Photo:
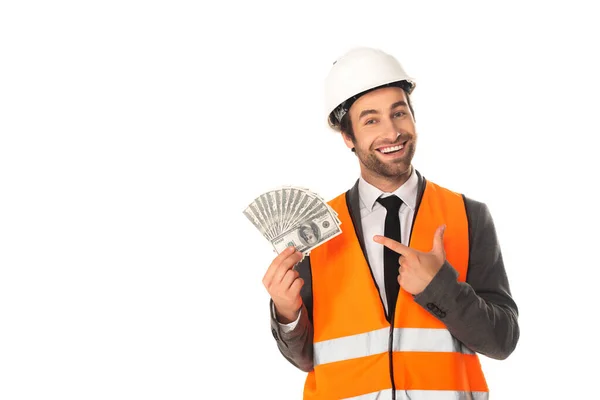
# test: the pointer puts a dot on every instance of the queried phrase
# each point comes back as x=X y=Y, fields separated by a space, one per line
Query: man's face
x=377 y=118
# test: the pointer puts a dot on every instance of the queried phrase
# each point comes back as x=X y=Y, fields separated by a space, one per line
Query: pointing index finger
x=392 y=244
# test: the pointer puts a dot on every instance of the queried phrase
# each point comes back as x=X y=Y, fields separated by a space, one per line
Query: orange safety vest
x=357 y=353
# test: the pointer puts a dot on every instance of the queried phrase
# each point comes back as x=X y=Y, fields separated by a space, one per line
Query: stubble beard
x=391 y=169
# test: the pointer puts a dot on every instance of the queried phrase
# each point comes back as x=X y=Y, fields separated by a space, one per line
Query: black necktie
x=390 y=257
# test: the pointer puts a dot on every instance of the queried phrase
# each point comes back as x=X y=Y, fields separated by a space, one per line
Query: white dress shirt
x=372 y=216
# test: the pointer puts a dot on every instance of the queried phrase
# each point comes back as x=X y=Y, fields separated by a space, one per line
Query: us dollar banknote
x=293 y=216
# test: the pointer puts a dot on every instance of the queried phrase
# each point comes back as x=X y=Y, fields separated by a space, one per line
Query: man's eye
x=370 y=121
x=399 y=114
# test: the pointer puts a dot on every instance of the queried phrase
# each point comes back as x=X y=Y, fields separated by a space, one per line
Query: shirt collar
x=407 y=192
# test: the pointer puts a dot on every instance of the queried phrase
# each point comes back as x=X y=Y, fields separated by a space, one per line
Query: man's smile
x=393 y=149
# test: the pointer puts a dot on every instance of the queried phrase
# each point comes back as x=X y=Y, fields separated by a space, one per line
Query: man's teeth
x=391 y=149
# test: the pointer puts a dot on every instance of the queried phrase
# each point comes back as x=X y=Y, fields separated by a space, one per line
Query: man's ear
x=348 y=141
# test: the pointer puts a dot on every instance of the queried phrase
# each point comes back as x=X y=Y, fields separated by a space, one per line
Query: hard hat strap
x=340 y=111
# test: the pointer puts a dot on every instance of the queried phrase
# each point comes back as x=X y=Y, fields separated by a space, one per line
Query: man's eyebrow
x=398 y=104
x=365 y=112
x=371 y=111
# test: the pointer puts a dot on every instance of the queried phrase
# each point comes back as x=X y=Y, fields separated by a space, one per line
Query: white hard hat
x=357 y=71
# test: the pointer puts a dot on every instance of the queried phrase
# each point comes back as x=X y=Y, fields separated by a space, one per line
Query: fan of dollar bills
x=292 y=216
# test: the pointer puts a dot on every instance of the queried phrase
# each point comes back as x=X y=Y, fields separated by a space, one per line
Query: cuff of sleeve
x=436 y=295
x=285 y=328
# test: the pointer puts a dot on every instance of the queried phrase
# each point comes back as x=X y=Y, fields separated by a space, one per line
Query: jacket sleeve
x=479 y=312
x=297 y=345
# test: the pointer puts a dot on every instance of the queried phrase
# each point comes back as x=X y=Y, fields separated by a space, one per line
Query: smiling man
x=403 y=302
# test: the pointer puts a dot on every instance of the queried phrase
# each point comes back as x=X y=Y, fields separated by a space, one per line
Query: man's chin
x=389 y=168
x=393 y=171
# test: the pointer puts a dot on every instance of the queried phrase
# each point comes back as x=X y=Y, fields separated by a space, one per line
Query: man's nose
x=389 y=130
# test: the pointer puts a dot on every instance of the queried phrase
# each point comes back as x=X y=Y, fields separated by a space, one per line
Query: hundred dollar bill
x=249 y=213
x=299 y=198
x=309 y=234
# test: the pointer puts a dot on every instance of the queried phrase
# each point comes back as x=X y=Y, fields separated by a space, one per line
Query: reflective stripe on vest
x=422 y=395
x=375 y=342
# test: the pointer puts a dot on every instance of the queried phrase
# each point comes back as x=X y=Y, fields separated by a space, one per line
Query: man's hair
x=346 y=122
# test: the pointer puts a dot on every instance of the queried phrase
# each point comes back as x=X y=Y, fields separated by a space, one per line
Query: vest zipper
x=391 y=354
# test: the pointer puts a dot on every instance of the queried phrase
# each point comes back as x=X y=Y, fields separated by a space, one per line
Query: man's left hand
x=416 y=268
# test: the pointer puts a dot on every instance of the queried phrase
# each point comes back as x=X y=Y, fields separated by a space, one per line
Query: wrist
x=286 y=317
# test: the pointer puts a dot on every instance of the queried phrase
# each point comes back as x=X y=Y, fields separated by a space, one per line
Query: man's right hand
x=284 y=283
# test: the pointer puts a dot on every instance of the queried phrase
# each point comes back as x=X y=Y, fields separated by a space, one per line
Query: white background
x=133 y=134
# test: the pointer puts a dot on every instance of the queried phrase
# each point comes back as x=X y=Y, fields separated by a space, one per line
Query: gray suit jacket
x=479 y=312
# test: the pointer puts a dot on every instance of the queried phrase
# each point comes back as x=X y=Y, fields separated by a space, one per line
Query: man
x=401 y=303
